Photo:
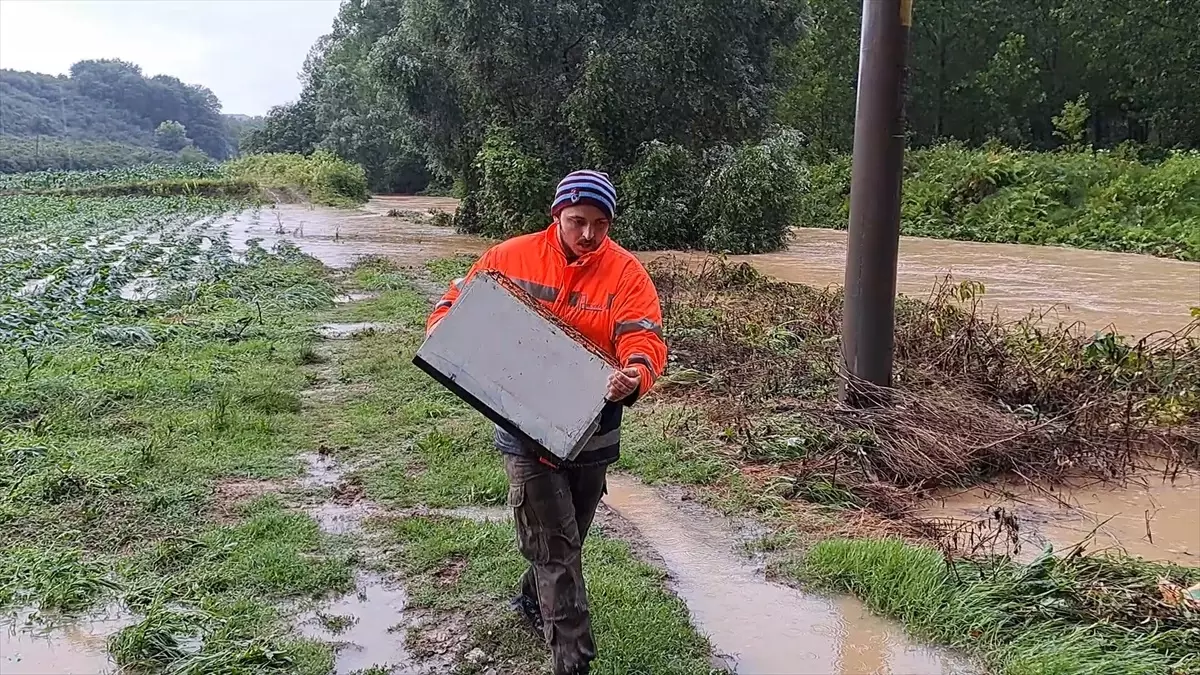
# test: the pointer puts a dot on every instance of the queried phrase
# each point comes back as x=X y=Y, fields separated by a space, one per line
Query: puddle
x=367 y=628
x=71 y=647
x=375 y=634
x=1151 y=516
x=347 y=298
x=346 y=331
x=335 y=518
x=769 y=628
x=323 y=471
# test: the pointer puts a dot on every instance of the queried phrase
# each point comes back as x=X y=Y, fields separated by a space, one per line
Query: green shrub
x=324 y=177
x=752 y=197
x=658 y=197
x=1085 y=199
x=515 y=192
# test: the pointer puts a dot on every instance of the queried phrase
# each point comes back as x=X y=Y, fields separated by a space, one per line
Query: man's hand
x=622 y=383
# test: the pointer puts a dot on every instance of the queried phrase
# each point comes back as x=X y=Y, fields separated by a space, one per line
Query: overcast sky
x=247 y=51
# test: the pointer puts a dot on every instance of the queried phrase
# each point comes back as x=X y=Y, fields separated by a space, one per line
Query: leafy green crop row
x=321 y=177
x=65 y=264
x=1096 y=200
x=46 y=180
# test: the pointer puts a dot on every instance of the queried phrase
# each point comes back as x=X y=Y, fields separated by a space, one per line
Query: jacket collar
x=555 y=244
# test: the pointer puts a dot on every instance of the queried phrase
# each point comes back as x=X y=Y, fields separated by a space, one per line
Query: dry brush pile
x=974 y=396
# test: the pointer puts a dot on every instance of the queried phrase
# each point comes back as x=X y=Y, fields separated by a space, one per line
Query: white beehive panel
x=519 y=366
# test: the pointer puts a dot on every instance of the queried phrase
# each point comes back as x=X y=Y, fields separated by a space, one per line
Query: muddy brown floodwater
x=1154 y=516
x=1138 y=294
x=32 y=646
x=767 y=627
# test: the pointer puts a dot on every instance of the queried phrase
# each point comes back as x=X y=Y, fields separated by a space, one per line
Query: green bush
x=658 y=197
x=751 y=199
x=1085 y=199
x=515 y=191
x=324 y=177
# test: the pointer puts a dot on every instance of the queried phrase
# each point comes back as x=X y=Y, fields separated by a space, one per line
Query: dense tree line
x=501 y=96
x=1004 y=70
x=112 y=101
x=592 y=81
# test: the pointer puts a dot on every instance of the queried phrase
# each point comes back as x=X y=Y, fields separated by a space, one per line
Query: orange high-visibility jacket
x=606 y=295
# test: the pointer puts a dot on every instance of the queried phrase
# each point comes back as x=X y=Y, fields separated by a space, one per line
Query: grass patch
x=1092 y=614
x=639 y=627
x=375 y=273
x=446 y=270
x=443 y=470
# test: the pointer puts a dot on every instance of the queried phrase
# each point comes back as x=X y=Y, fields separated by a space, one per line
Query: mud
x=76 y=646
x=768 y=628
x=1152 y=517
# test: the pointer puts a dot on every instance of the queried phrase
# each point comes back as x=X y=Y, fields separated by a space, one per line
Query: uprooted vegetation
x=974 y=397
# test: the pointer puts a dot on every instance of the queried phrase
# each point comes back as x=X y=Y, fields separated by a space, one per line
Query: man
x=600 y=289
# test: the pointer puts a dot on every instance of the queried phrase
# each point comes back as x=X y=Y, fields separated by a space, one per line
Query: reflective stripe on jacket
x=606 y=295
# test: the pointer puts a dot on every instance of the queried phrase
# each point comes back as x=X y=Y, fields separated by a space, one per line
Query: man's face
x=583 y=228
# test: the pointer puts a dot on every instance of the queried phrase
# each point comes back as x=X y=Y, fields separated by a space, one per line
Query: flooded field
x=767 y=628
x=1138 y=294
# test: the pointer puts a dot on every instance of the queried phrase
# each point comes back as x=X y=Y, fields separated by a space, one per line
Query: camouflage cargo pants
x=553 y=509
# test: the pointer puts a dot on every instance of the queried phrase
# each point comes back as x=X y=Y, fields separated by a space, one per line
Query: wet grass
x=110 y=462
x=461 y=565
x=445 y=270
x=1078 y=615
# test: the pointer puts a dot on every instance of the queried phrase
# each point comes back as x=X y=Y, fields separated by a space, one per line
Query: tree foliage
x=171 y=136
x=112 y=101
x=18 y=155
x=1004 y=70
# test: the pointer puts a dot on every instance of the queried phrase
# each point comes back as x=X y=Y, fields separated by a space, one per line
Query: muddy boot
x=527 y=608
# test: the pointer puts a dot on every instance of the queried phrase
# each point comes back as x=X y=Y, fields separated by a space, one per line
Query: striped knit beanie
x=589 y=187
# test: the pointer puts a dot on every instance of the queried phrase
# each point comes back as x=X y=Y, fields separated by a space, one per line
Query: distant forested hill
x=109 y=105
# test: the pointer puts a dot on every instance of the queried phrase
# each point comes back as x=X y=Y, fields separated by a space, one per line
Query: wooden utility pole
x=869 y=317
